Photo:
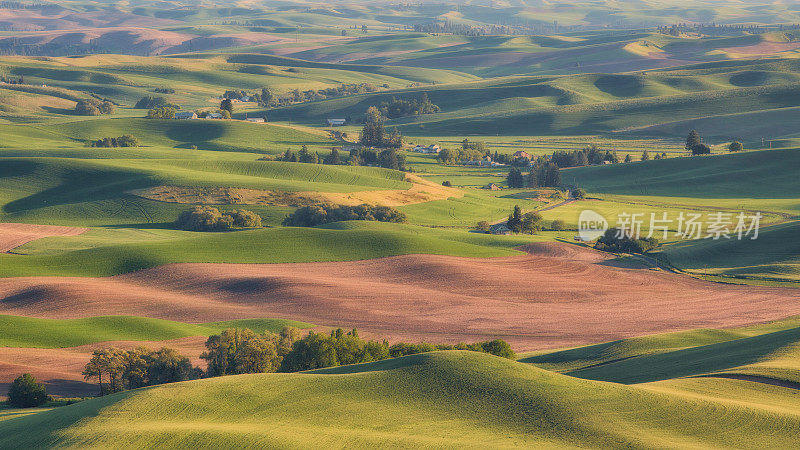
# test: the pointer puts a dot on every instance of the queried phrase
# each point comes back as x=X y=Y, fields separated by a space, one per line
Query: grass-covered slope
x=747 y=175
x=338 y=242
x=79 y=190
x=453 y=399
x=17 y=331
x=768 y=350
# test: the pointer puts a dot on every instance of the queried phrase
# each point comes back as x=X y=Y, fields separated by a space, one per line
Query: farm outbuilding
x=185 y=115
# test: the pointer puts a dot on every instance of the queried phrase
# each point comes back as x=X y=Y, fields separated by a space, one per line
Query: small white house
x=185 y=115
x=214 y=116
x=336 y=122
x=431 y=149
x=255 y=119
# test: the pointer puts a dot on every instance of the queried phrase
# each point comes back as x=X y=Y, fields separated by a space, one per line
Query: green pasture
x=17 y=331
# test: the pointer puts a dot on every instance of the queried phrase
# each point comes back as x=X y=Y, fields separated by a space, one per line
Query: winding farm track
x=12 y=235
x=556 y=295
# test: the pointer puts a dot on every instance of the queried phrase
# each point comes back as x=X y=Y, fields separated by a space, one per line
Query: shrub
x=579 y=194
x=483 y=226
x=735 y=146
x=94 y=107
x=558 y=225
x=26 y=392
x=447 y=184
x=243 y=218
x=207 y=218
x=309 y=216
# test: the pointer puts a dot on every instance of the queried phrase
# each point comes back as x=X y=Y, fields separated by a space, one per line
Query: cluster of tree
x=151 y=102
x=511 y=26
x=694 y=143
x=646 y=156
x=715 y=29
x=12 y=80
x=544 y=173
x=267 y=98
x=125 y=140
x=590 y=155
x=236 y=351
x=310 y=216
x=317 y=351
x=161 y=112
x=305 y=156
x=389 y=158
x=207 y=218
x=94 y=107
x=26 y=392
x=613 y=240
x=527 y=223
x=164 y=90
x=402 y=108
x=469 y=151
x=239 y=351
x=374 y=133
x=116 y=370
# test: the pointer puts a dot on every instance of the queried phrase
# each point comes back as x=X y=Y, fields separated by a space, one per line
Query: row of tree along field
x=239 y=351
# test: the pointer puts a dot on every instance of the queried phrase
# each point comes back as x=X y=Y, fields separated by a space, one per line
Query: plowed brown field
x=556 y=295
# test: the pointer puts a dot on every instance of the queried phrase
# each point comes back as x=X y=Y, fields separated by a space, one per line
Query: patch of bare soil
x=421 y=191
x=12 y=235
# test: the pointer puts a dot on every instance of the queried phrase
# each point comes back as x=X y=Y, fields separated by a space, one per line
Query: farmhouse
x=499 y=228
x=433 y=148
x=523 y=155
x=185 y=115
x=336 y=122
x=492 y=187
x=255 y=119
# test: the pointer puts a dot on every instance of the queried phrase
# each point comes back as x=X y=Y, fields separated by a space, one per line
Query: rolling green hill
x=336 y=242
x=768 y=350
x=446 y=398
x=17 y=331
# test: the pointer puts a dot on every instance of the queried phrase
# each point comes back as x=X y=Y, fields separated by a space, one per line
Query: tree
x=701 y=149
x=483 y=226
x=447 y=183
x=735 y=146
x=628 y=158
x=515 y=178
x=227 y=105
x=106 y=364
x=333 y=157
x=692 y=140
x=531 y=222
x=579 y=194
x=162 y=112
x=391 y=159
x=26 y=392
x=558 y=225
x=645 y=156
x=515 y=220
x=266 y=99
